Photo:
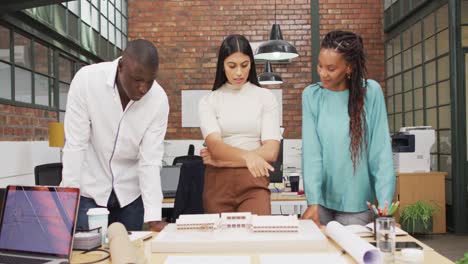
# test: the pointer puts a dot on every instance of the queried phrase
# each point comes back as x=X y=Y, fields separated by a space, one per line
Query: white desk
x=280 y=203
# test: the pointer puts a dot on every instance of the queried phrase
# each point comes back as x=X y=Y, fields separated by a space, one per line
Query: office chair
x=48 y=174
x=190 y=156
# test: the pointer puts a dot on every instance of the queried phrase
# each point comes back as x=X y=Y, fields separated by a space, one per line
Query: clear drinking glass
x=385 y=236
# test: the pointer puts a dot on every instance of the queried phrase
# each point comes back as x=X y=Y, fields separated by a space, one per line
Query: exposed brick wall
x=24 y=124
x=188 y=34
x=364 y=17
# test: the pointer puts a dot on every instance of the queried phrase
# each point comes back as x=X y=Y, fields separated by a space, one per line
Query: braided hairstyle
x=350 y=45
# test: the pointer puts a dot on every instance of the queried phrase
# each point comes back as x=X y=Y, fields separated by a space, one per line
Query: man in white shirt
x=115 y=123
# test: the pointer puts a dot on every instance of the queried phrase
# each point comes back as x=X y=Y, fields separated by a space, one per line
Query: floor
x=449 y=245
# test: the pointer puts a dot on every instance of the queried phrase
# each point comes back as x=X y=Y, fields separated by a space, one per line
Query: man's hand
x=312 y=213
x=156 y=226
x=257 y=166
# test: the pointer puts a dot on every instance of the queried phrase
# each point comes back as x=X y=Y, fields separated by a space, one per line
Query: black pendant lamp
x=276 y=48
x=268 y=77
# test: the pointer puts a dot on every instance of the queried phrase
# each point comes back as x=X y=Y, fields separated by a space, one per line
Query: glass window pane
x=465 y=36
x=444 y=116
x=418 y=98
x=429 y=49
x=95 y=3
x=118 y=39
x=111 y=14
x=406 y=39
x=390 y=105
x=118 y=4
x=125 y=6
x=398 y=103
x=409 y=119
x=397 y=84
x=443 y=68
x=417 y=57
x=389 y=87
x=432 y=117
x=124 y=26
x=63 y=93
x=444 y=92
x=408 y=101
x=398 y=121
x=22 y=50
x=445 y=142
x=443 y=42
x=418 y=118
x=95 y=18
x=41 y=89
x=434 y=163
x=407 y=62
x=5 y=81
x=431 y=96
x=397 y=61
x=389 y=67
x=407 y=81
x=389 y=49
x=51 y=61
x=4 y=43
x=73 y=26
x=104 y=24
x=118 y=20
x=103 y=8
x=435 y=146
x=430 y=72
x=41 y=58
x=73 y=7
x=417 y=77
x=391 y=122
x=446 y=164
x=416 y=29
x=86 y=12
x=23 y=85
x=124 y=42
x=397 y=45
x=65 y=69
x=442 y=18
x=429 y=26
x=112 y=33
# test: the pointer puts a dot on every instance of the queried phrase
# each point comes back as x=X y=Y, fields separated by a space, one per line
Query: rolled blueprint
x=122 y=250
x=358 y=248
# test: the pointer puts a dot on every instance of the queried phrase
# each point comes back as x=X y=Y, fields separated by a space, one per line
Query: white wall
x=18 y=159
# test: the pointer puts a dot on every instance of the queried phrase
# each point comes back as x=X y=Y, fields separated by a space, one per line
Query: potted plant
x=463 y=260
x=417 y=218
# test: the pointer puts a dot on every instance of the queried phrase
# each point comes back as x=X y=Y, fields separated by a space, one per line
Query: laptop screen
x=170 y=178
x=39 y=219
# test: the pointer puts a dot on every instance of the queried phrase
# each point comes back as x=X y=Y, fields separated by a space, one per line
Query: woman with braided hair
x=346 y=145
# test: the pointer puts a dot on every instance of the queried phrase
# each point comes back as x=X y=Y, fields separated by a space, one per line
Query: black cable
x=96 y=261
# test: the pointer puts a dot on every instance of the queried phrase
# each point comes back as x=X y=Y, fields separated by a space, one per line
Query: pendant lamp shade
x=268 y=77
x=276 y=48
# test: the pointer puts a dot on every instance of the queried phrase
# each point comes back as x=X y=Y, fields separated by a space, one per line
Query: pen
x=147 y=238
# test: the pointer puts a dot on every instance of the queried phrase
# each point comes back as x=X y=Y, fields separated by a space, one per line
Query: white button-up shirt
x=107 y=147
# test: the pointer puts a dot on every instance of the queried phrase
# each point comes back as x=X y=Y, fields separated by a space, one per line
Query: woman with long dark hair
x=346 y=145
x=239 y=121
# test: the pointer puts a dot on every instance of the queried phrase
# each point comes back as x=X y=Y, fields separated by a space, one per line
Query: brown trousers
x=235 y=190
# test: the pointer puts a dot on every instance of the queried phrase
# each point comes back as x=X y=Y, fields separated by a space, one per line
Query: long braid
x=350 y=45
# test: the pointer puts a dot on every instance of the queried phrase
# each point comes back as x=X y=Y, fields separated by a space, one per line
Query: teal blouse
x=326 y=159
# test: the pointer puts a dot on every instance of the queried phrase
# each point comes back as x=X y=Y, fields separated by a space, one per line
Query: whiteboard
x=190 y=99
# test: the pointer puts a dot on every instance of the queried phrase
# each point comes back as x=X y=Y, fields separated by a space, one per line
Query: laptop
x=38 y=224
x=170 y=180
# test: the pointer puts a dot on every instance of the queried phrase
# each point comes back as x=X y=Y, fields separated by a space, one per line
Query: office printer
x=411 y=148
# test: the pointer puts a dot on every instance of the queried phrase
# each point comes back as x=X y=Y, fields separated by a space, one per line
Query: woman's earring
x=348 y=75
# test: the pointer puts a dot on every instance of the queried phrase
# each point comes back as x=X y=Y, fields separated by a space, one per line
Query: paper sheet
x=135 y=235
x=358 y=248
x=323 y=258
x=208 y=259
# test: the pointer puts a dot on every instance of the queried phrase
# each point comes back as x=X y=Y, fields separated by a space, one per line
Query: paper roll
x=122 y=250
x=358 y=248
